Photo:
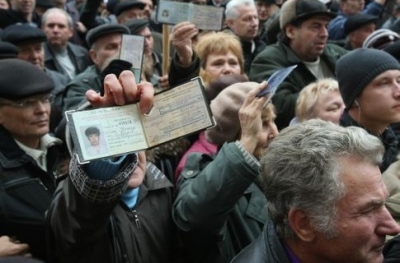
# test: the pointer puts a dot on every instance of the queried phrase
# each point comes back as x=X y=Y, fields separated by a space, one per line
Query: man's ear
x=300 y=223
x=230 y=23
x=93 y=55
x=290 y=31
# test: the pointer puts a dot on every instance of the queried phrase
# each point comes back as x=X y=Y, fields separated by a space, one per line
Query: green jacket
x=219 y=208
x=74 y=94
x=279 y=56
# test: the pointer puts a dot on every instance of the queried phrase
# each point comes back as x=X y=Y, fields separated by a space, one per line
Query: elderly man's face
x=309 y=40
x=26 y=123
x=362 y=221
x=32 y=52
x=57 y=29
x=105 y=48
x=246 y=25
x=133 y=13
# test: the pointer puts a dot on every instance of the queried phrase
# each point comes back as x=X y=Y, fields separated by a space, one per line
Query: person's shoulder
x=271 y=52
x=155 y=178
x=334 y=49
x=77 y=49
x=88 y=74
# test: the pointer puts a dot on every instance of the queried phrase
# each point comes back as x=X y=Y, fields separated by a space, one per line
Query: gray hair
x=231 y=10
x=51 y=10
x=302 y=169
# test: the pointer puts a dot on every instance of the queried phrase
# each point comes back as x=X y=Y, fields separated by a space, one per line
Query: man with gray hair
x=326 y=197
x=60 y=54
x=242 y=20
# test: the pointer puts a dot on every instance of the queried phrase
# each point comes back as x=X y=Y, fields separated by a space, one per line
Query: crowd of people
x=309 y=173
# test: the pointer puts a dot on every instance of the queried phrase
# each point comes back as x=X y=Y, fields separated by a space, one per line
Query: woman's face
x=329 y=107
x=219 y=64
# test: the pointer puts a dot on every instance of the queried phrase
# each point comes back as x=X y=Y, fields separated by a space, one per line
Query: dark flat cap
x=124 y=6
x=136 y=25
x=103 y=30
x=356 y=21
x=8 y=50
x=18 y=34
x=20 y=79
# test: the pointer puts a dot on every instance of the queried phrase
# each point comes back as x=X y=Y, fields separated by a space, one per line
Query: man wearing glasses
x=348 y=8
x=30 y=159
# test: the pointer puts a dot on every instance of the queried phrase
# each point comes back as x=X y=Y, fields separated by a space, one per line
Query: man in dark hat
x=152 y=66
x=127 y=10
x=30 y=159
x=303 y=43
x=369 y=85
x=349 y=8
x=28 y=41
x=105 y=43
x=357 y=28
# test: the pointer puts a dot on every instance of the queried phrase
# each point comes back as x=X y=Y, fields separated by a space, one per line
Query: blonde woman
x=320 y=99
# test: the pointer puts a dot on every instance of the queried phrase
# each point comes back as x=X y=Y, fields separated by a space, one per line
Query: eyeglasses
x=29 y=103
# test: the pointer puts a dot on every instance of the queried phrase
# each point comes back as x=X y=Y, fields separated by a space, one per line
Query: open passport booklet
x=113 y=131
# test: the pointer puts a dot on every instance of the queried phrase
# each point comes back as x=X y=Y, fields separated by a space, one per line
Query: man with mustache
x=303 y=42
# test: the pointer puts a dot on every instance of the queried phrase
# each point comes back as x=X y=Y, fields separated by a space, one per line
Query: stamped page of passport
x=123 y=129
x=205 y=17
x=274 y=81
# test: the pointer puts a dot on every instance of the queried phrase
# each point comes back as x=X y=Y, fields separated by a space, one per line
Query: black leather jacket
x=266 y=248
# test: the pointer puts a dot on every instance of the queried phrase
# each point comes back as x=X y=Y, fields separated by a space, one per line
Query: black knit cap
x=103 y=30
x=19 y=34
x=136 y=25
x=127 y=5
x=20 y=79
x=8 y=50
x=356 y=69
x=356 y=21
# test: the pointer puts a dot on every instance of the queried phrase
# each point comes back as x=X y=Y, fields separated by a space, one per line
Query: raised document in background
x=132 y=50
x=205 y=17
x=123 y=129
